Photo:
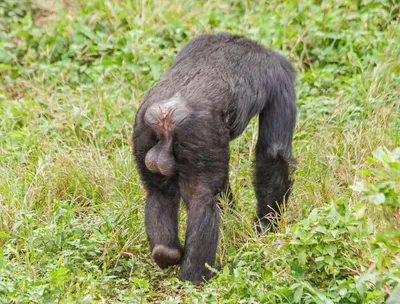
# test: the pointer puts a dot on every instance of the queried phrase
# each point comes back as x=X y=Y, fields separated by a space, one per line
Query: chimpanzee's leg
x=274 y=160
x=272 y=187
x=203 y=161
x=201 y=234
x=162 y=203
x=161 y=219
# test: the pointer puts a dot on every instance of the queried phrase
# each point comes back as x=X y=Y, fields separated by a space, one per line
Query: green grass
x=72 y=76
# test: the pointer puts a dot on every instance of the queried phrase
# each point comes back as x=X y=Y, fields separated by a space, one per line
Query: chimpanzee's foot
x=166 y=256
x=196 y=275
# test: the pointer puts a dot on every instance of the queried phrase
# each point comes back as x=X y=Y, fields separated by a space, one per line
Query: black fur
x=220 y=81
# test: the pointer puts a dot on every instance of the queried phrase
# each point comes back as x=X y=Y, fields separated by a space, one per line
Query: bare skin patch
x=163 y=117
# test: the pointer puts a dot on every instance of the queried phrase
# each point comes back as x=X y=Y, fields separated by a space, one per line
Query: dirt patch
x=50 y=10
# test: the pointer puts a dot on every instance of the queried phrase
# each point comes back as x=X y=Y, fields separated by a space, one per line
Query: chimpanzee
x=216 y=84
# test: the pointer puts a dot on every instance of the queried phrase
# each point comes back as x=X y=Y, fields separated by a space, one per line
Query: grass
x=72 y=76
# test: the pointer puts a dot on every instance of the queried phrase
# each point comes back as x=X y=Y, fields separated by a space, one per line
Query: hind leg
x=202 y=229
x=162 y=204
x=161 y=220
x=203 y=159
